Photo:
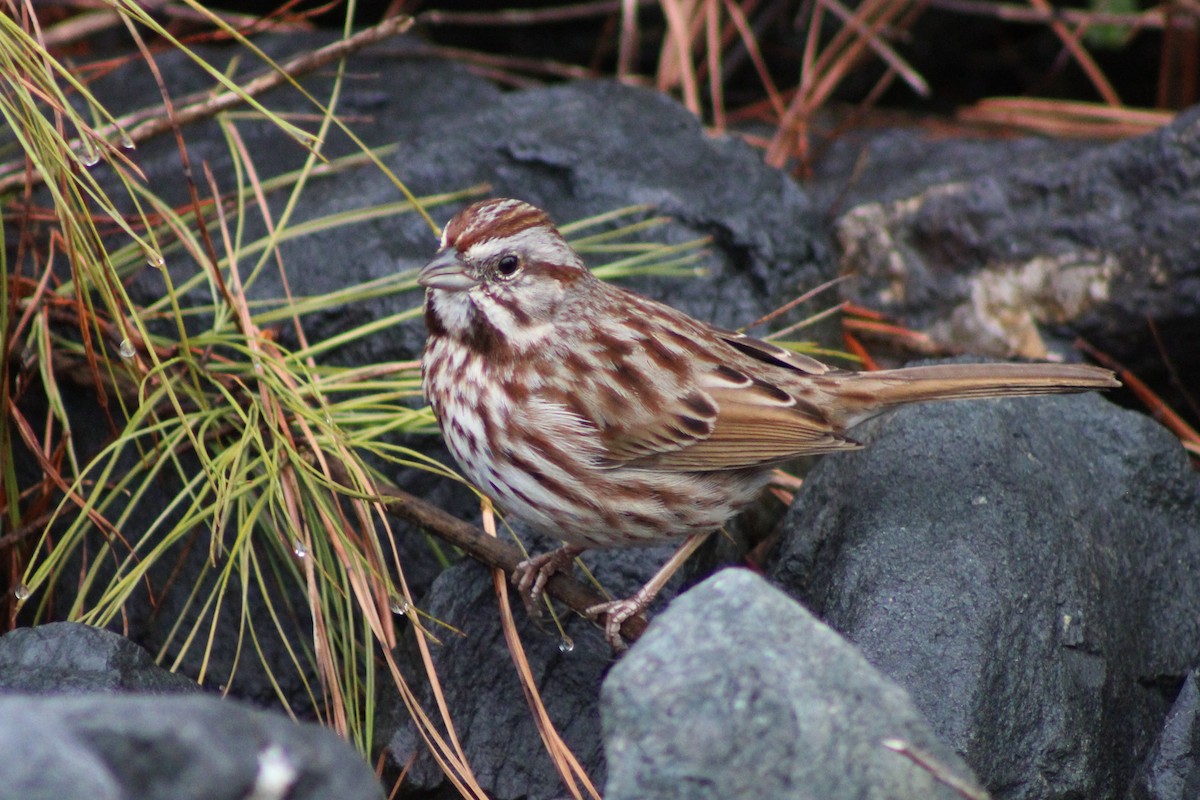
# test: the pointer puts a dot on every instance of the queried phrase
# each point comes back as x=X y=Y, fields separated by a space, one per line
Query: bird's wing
x=722 y=417
x=771 y=353
x=757 y=423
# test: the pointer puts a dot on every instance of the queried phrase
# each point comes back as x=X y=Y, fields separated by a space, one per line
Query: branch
x=494 y=552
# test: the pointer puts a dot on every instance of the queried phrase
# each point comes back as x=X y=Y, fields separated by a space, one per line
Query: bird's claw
x=530 y=575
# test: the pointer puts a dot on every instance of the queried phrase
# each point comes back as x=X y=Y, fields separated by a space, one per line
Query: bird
x=602 y=418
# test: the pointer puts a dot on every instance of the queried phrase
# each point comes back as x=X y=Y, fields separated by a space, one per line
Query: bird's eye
x=508 y=266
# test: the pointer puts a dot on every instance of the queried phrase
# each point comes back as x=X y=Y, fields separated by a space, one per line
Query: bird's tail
x=870 y=393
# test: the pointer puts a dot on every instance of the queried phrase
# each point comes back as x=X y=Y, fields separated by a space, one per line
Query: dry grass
x=702 y=45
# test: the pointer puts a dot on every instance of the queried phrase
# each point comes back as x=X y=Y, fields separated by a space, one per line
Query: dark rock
x=582 y=148
x=67 y=657
x=577 y=149
x=1172 y=771
x=493 y=720
x=1027 y=569
x=885 y=166
x=91 y=747
x=737 y=691
x=1054 y=242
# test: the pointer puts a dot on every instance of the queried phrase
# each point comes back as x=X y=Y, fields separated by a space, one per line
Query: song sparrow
x=605 y=419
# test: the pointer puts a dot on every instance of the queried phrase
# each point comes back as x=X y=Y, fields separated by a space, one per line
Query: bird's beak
x=446 y=271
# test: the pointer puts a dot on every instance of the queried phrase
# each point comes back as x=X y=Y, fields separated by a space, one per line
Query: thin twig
x=302 y=64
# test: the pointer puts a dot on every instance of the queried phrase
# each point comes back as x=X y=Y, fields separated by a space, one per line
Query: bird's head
x=503 y=270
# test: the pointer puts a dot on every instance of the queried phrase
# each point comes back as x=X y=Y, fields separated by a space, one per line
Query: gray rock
x=1027 y=569
x=93 y=747
x=1038 y=244
x=872 y=165
x=736 y=691
x=67 y=657
x=1172 y=771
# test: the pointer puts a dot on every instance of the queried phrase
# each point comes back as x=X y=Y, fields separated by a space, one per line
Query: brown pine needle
x=1065 y=118
x=940 y=772
x=788 y=306
x=858 y=351
x=569 y=769
x=1149 y=398
x=1070 y=40
x=914 y=340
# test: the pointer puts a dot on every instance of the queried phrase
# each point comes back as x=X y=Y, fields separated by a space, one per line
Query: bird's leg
x=616 y=612
x=530 y=575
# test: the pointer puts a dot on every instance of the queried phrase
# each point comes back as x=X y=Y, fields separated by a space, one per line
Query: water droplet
x=21 y=592
x=566 y=645
x=299 y=549
x=155 y=259
x=89 y=156
x=399 y=606
x=126 y=350
x=127 y=142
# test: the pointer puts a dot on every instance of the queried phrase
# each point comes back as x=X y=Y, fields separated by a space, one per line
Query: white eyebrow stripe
x=532 y=243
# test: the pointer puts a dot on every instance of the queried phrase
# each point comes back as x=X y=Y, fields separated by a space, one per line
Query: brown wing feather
x=688 y=420
x=749 y=434
x=755 y=423
x=698 y=407
x=772 y=353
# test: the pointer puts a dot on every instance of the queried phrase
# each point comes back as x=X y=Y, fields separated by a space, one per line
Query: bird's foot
x=612 y=616
x=614 y=613
x=530 y=575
